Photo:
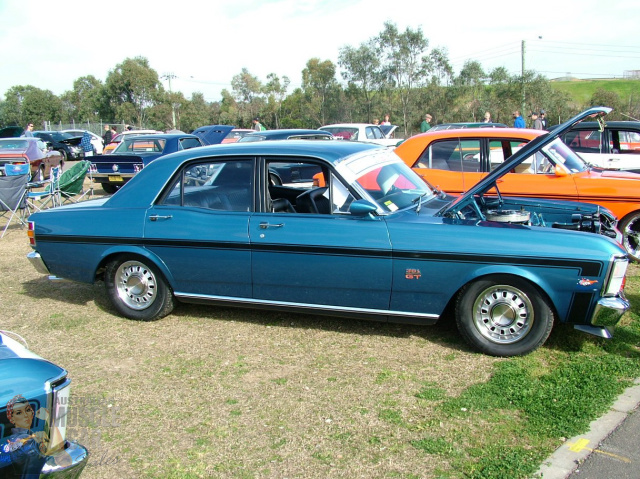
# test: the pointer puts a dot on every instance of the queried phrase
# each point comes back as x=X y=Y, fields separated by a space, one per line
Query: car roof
x=590 y=125
x=161 y=136
x=482 y=133
x=285 y=133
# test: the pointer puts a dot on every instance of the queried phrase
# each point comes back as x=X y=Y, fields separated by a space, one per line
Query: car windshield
x=13 y=144
x=555 y=153
x=342 y=132
x=383 y=178
x=61 y=136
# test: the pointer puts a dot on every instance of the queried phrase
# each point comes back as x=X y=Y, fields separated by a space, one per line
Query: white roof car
x=365 y=132
x=96 y=140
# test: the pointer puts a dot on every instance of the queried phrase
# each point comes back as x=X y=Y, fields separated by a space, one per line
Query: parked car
x=456 y=126
x=96 y=140
x=611 y=145
x=455 y=160
x=207 y=226
x=235 y=135
x=11 y=131
x=287 y=134
x=108 y=149
x=34 y=398
x=364 y=132
x=30 y=150
x=134 y=153
x=68 y=145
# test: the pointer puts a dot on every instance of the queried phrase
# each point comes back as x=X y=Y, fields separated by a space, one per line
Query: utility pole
x=169 y=76
x=523 y=96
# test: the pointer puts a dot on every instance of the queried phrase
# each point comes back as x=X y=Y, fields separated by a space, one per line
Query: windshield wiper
x=418 y=200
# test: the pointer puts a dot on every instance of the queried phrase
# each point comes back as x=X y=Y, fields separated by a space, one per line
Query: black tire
x=109 y=188
x=503 y=315
x=630 y=228
x=63 y=155
x=38 y=175
x=137 y=289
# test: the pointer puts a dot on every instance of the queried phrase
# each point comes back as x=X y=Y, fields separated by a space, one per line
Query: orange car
x=455 y=160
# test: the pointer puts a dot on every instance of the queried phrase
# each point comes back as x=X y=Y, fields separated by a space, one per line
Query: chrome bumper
x=606 y=315
x=36 y=261
x=67 y=463
x=609 y=310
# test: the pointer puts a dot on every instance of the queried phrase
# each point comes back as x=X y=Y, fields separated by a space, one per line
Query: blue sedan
x=367 y=239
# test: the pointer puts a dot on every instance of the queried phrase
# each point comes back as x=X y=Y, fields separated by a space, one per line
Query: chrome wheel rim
x=136 y=285
x=503 y=314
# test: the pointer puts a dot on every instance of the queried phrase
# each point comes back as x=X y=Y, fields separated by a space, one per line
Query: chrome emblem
x=587 y=282
x=411 y=273
x=114 y=167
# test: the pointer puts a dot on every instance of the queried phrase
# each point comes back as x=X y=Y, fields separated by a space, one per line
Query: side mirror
x=561 y=171
x=362 y=208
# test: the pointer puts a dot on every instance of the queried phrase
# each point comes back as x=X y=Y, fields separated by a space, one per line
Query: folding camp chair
x=48 y=197
x=71 y=184
x=13 y=193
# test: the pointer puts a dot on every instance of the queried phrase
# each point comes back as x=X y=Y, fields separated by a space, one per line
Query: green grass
x=581 y=91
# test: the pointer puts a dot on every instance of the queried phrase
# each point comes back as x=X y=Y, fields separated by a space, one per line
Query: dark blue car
x=367 y=239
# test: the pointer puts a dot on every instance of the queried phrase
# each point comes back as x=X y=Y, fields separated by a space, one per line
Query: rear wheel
x=630 y=228
x=137 y=290
x=38 y=175
x=503 y=316
x=63 y=155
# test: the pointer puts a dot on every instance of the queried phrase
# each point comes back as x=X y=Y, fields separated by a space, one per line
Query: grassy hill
x=582 y=90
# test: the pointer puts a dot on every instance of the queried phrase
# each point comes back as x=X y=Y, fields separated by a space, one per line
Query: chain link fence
x=97 y=128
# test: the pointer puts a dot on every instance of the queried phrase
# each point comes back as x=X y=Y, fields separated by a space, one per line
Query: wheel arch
x=130 y=252
x=537 y=281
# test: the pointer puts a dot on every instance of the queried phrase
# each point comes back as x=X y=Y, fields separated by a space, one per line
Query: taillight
x=31 y=233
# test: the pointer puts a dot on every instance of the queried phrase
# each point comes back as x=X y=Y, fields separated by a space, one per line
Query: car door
x=329 y=259
x=199 y=229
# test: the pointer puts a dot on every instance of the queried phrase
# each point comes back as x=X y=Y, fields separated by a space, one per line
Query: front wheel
x=630 y=228
x=38 y=176
x=503 y=316
x=137 y=290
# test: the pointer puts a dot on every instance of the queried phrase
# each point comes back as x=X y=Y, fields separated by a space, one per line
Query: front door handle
x=160 y=217
x=264 y=226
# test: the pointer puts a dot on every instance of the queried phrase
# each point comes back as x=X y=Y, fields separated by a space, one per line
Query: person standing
x=543 y=119
x=86 y=145
x=425 y=125
x=28 y=131
x=518 y=121
x=386 y=120
x=257 y=126
x=537 y=124
x=487 y=118
x=108 y=136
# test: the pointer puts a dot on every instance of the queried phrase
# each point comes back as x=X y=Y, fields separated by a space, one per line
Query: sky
x=202 y=45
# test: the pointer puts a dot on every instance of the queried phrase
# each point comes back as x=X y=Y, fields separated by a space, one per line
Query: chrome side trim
x=323 y=307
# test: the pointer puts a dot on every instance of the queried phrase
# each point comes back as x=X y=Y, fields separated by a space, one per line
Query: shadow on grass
x=444 y=332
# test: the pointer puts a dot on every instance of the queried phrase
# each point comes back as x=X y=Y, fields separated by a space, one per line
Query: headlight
x=616 y=276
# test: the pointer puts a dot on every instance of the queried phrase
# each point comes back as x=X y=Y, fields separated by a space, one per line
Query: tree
x=30 y=104
x=318 y=78
x=132 y=86
x=361 y=70
x=405 y=64
x=275 y=91
x=86 y=101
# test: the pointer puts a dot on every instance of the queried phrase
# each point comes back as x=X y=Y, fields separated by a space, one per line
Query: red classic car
x=31 y=150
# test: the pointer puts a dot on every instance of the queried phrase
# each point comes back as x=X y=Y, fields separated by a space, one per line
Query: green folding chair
x=70 y=187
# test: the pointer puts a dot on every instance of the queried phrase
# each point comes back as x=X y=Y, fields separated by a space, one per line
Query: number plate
x=115 y=178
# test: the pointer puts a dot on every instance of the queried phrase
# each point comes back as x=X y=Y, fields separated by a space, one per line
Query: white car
x=96 y=140
x=365 y=132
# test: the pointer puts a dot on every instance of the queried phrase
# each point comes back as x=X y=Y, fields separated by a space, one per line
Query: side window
x=222 y=186
x=626 y=141
x=186 y=143
x=370 y=133
x=298 y=187
x=500 y=150
x=584 y=141
x=439 y=154
x=536 y=164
